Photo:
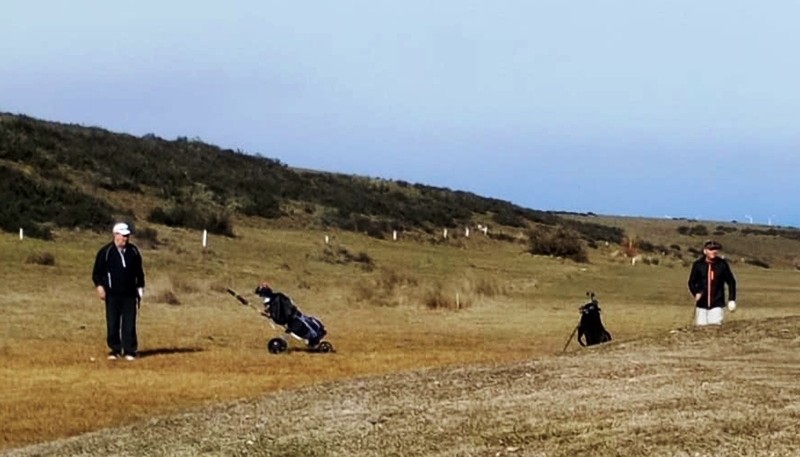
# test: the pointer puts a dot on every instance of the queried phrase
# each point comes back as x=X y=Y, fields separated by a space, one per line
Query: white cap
x=121 y=228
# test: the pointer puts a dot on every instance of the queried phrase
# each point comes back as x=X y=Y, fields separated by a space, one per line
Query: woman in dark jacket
x=707 y=281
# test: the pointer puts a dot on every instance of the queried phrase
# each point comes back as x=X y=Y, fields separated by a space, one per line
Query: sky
x=659 y=109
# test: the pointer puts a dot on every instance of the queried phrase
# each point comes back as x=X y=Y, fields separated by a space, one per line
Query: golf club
x=570 y=338
x=241 y=299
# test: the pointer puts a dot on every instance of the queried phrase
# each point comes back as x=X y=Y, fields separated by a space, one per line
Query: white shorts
x=711 y=316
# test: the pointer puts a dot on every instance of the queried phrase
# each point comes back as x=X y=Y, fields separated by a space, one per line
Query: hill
x=55 y=175
x=720 y=392
x=67 y=176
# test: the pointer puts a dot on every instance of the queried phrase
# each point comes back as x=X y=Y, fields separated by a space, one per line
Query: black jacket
x=118 y=276
x=709 y=279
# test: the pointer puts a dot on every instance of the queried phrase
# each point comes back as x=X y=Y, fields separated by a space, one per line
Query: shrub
x=41 y=258
x=147 y=237
x=695 y=230
x=385 y=289
x=646 y=246
x=500 y=236
x=791 y=234
x=757 y=263
x=177 y=215
x=559 y=242
x=651 y=260
x=196 y=207
x=592 y=231
x=373 y=227
x=32 y=204
x=118 y=183
x=168 y=297
x=391 y=280
x=510 y=218
x=488 y=287
x=660 y=248
x=363 y=258
x=34 y=230
x=183 y=285
x=342 y=256
x=437 y=299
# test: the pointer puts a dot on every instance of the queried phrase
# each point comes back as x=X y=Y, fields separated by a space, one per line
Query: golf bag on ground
x=282 y=311
x=590 y=328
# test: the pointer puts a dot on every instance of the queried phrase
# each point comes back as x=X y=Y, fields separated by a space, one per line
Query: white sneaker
x=113 y=356
x=130 y=358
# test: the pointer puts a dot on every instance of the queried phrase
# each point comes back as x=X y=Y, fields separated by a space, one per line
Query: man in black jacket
x=707 y=281
x=119 y=279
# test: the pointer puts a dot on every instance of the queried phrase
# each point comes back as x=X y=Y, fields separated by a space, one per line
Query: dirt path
x=715 y=392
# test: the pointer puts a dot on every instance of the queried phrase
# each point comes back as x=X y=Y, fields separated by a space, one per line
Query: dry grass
x=437 y=298
x=41 y=258
x=715 y=392
x=210 y=350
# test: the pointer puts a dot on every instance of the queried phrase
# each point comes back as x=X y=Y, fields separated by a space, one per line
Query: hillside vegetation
x=202 y=186
x=55 y=175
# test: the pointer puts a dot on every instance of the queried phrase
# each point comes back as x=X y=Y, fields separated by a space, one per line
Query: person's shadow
x=166 y=351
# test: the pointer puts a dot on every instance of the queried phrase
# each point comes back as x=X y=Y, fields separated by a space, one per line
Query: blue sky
x=674 y=108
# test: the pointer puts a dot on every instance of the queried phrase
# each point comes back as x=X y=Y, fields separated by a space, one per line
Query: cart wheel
x=277 y=345
x=325 y=347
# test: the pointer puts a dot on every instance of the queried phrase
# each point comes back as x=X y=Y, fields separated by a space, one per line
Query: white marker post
x=445 y=233
x=327 y=239
x=394 y=235
x=466 y=232
x=20 y=234
x=205 y=239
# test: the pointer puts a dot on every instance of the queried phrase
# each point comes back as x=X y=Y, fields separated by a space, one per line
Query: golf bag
x=282 y=311
x=308 y=328
x=590 y=328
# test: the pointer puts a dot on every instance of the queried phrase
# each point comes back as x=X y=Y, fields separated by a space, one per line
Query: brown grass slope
x=727 y=391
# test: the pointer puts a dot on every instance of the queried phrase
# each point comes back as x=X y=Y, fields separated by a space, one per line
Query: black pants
x=121 y=324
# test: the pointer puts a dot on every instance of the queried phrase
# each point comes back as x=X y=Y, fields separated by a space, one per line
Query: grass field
x=206 y=349
x=699 y=393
